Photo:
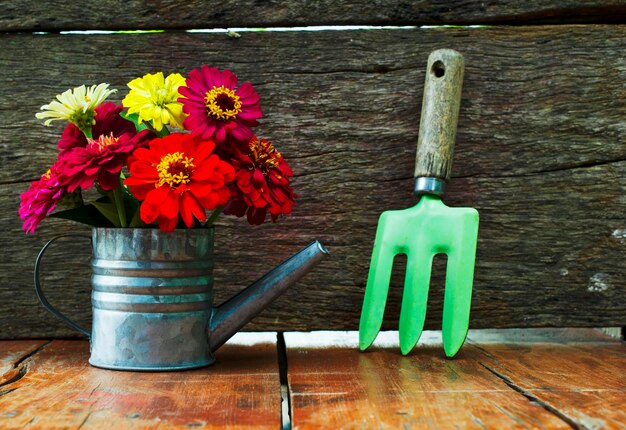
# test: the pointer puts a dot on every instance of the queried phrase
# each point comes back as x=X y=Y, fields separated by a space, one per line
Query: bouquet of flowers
x=177 y=152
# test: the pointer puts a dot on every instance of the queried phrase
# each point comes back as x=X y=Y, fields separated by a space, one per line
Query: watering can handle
x=440 y=113
x=40 y=295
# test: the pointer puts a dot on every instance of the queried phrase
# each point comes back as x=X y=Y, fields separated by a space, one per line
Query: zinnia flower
x=76 y=106
x=262 y=183
x=107 y=121
x=217 y=108
x=178 y=176
x=40 y=199
x=155 y=99
x=101 y=160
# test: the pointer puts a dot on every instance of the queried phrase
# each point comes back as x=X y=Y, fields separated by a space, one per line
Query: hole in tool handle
x=438 y=69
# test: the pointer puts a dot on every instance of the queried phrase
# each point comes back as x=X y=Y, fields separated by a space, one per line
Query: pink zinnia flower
x=101 y=160
x=108 y=120
x=40 y=199
x=262 y=183
x=217 y=108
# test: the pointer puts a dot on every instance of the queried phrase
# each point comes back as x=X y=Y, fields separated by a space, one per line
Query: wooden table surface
x=560 y=378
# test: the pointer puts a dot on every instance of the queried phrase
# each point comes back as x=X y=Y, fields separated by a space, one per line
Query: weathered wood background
x=541 y=146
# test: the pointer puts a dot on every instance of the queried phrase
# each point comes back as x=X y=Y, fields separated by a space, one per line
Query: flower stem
x=118 y=199
x=87 y=132
x=216 y=213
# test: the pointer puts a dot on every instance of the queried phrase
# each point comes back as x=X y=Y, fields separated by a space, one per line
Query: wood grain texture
x=503 y=379
x=342 y=388
x=440 y=114
x=582 y=382
x=33 y=15
x=12 y=354
x=60 y=389
x=540 y=152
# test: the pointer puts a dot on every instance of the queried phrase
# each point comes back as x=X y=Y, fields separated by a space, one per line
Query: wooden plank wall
x=541 y=147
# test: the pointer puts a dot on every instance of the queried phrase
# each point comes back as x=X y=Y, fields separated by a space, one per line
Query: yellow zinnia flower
x=155 y=99
x=76 y=105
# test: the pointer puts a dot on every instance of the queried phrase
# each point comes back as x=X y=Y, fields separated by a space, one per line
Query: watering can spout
x=233 y=314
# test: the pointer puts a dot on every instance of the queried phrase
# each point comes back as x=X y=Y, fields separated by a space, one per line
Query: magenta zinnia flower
x=108 y=120
x=101 y=160
x=217 y=107
x=40 y=199
x=262 y=183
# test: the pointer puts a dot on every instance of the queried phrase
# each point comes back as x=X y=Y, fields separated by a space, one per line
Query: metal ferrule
x=427 y=185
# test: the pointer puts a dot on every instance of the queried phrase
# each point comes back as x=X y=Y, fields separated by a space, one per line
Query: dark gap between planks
x=283 y=369
x=56 y=15
x=532 y=398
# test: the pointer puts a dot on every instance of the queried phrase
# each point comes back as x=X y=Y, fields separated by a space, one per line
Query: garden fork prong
x=459 y=279
x=414 y=296
x=377 y=287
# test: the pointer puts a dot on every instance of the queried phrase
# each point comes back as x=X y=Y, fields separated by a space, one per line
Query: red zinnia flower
x=108 y=120
x=262 y=182
x=40 y=199
x=178 y=174
x=217 y=108
x=102 y=160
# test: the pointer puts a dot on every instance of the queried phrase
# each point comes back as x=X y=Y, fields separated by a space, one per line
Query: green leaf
x=134 y=118
x=136 y=221
x=83 y=214
x=164 y=132
x=109 y=211
x=117 y=195
x=72 y=200
x=214 y=215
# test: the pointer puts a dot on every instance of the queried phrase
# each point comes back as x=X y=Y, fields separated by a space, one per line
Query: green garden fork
x=428 y=228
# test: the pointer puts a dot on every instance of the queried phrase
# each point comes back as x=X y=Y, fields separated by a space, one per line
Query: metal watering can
x=152 y=297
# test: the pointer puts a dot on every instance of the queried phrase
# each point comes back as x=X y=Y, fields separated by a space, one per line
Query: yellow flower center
x=47 y=175
x=175 y=169
x=102 y=142
x=161 y=97
x=264 y=155
x=222 y=103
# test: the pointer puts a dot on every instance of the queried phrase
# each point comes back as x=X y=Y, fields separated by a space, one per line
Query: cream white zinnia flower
x=76 y=105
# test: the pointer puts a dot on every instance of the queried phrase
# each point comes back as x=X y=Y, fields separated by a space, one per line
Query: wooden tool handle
x=440 y=112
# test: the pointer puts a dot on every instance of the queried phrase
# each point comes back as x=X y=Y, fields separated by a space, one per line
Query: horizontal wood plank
x=502 y=380
x=54 y=15
x=59 y=389
x=342 y=388
x=583 y=383
x=541 y=153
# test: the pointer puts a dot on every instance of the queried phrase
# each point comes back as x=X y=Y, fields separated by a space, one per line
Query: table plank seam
x=533 y=398
x=20 y=368
x=526 y=393
x=283 y=372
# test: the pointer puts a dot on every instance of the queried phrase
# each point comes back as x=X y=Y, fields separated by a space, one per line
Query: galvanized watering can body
x=152 y=298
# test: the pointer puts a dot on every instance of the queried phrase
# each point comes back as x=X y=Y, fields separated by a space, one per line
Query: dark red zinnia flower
x=262 y=183
x=101 y=160
x=217 y=108
x=40 y=199
x=178 y=175
x=108 y=120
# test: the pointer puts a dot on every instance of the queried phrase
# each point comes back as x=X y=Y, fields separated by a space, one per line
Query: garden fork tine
x=428 y=228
